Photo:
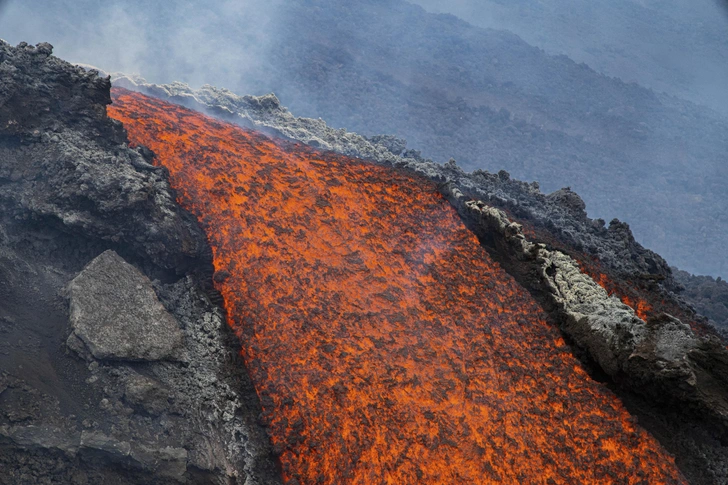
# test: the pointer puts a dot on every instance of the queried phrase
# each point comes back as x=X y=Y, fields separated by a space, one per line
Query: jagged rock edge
x=662 y=359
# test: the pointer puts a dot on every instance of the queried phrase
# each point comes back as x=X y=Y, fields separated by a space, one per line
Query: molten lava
x=629 y=295
x=384 y=343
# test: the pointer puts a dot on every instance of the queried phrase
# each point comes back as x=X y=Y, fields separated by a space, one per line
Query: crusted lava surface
x=385 y=344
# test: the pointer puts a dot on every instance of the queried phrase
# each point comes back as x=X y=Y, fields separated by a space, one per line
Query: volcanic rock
x=72 y=189
x=66 y=162
x=149 y=394
x=663 y=358
x=107 y=444
x=116 y=313
x=569 y=200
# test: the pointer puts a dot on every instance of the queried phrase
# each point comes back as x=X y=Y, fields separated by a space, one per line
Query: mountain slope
x=673 y=46
x=387 y=270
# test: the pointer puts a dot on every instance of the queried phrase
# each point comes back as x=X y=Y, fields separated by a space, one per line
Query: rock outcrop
x=661 y=360
x=116 y=314
x=95 y=252
x=662 y=357
x=67 y=163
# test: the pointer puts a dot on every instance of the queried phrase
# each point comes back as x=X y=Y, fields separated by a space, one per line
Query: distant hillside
x=484 y=97
x=670 y=45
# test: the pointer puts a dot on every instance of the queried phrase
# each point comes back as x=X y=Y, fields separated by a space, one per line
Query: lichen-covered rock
x=662 y=359
x=116 y=313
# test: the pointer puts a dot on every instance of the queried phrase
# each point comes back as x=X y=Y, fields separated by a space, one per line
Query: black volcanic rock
x=66 y=162
x=71 y=190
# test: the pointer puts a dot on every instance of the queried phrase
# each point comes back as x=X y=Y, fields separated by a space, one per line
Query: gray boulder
x=116 y=313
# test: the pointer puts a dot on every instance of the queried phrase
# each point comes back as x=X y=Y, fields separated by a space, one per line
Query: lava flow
x=384 y=343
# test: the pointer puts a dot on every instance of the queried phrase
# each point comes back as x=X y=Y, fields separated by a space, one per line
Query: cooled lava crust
x=385 y=344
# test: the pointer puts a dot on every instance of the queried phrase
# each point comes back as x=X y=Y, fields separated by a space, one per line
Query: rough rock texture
x=116 y=313
x=70 y=190
x=661 y=356
x=662 y=360
x=67 y=163
x=708 y=295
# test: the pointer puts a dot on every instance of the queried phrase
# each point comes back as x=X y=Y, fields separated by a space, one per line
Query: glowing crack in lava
x=384 y=343
x=627 y=295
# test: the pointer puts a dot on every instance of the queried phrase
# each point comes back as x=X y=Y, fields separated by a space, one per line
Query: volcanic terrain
x=257 y=298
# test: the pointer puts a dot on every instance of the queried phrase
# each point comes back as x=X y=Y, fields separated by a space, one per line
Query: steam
x=190 y=41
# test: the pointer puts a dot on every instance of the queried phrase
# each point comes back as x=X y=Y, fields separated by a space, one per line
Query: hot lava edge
x=631 y=358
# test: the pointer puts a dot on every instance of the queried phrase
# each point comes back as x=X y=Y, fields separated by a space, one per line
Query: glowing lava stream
x=384 y=343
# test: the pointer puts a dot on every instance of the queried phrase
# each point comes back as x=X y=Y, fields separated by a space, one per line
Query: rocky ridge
x=661 y=357
x=659 y=367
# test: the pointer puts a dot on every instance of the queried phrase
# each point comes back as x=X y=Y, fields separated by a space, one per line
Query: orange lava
x=627 y=295
x=385 y=345
x=643 y=297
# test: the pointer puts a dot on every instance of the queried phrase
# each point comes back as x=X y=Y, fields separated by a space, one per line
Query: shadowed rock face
x=117 y=409
x=64 y=161
x=116 y=313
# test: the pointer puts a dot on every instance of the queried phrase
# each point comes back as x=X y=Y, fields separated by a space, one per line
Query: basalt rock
x=662 y=357
x=662 y=361
x=116 y=313
x=66 y=163
x=95 y=253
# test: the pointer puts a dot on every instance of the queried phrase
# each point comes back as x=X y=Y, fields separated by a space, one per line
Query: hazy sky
x=127 y=36
x=677 y=46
